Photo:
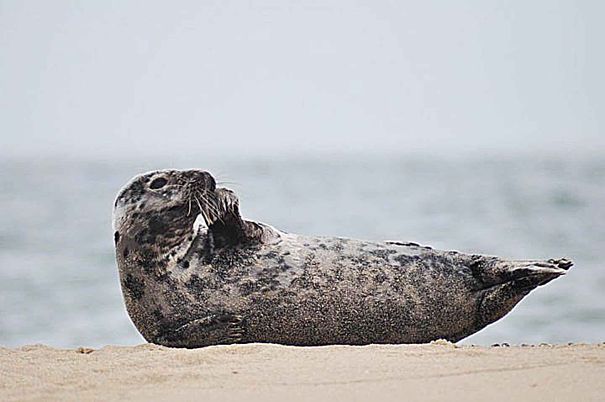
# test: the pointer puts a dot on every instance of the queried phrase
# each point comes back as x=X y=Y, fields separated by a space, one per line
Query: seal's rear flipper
x=504 y=283
x=492 y=271
x=211 y=330
x=531 y=274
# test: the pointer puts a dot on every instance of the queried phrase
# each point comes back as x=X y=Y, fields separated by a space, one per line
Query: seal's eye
x=158 y=183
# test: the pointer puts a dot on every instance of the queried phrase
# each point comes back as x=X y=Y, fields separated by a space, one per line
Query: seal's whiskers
x=212 y=207
x=202 y=211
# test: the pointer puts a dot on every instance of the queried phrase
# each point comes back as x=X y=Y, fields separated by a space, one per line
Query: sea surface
x=58 y=276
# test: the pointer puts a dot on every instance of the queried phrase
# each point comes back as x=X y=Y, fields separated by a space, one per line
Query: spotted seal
x=228 y=280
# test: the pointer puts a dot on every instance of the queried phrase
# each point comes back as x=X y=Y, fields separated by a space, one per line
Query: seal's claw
x=209 y=330
x=562 y=263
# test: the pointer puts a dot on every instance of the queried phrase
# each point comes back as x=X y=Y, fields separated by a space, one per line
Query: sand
x=260 y=372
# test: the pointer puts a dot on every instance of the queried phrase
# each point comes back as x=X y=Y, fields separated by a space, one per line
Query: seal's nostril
x=201 y=179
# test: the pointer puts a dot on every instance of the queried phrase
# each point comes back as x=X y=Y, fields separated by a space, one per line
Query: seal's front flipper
x=225 y=224
x=221 y=213
x=211 y=330
x=220 y=206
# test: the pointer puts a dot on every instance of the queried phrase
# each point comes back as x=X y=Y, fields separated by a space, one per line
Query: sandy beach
x=438 y=371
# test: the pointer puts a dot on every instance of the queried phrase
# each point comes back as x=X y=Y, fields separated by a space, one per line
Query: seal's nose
x=201 y=179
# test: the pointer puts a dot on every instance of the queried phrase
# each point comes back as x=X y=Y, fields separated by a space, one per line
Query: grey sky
x=100 y=77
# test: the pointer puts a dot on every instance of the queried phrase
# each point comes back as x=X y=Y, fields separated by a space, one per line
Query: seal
x=194 y=273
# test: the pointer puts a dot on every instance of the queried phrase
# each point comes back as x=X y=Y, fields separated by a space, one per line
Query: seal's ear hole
x=158 y=183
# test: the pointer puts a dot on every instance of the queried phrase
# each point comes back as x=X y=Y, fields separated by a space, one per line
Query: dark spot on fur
x=198 y=287
x=116 y=237
x=157 y=313
x=310 y=261
x=160 y=269
x=134 y=286
x=247 y=287
x=380 y=277
x=359 y=263
x=157 y=226
x=146 y=260
x=477 y=266
x=141 y=236
x=185 y=264
x=405 y=259
x=338 y=247
x=125 y=252
x=226 y=261
x=283 y=266
x=405 y=244
x=383 y=253
x=271 y=255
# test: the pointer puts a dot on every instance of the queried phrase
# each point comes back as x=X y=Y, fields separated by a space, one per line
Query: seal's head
x=162 y=193
x=154 y=216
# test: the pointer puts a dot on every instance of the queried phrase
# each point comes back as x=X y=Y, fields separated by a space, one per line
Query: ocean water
x=58 y=277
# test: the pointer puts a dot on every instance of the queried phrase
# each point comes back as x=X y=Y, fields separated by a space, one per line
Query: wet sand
x=260 y=372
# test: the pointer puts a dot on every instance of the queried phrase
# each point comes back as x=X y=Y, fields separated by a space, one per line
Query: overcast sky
x=116 y=77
